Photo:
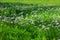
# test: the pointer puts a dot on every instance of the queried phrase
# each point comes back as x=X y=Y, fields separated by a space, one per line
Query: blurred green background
x=43 y=2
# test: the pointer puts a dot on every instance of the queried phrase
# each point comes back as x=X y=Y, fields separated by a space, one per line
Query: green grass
x=42 y=2
x=29 y=22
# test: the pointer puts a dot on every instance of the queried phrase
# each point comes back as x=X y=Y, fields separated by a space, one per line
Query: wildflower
x=15 y=21
x=39 y=16
x=47 y=28
x=49 y=25
x=42 y=22
x=14 y=14
x=59 y=25
x=23 y=8
x=18 y=17
x=21 y=23
x=43 y=26
x=3 y=20
x=32 y=21
x=33 y=11
x=56 y=21
x=58 y=39
x=12 y=17
x=41 y=8
x=26 y=18
x=21 y=16
x=0 y=16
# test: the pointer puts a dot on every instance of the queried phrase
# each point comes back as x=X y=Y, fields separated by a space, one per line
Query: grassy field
x=29 y=20
x=42 y=2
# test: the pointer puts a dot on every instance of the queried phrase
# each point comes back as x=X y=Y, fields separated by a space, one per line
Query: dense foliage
x=29 y=22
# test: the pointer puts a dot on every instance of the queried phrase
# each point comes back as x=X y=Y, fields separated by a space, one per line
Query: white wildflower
x=47 y=28
x=17 y=17
x=22 y=16
x=32 y=22
x=39 y=16
x=12 y=17
x=3 y=20
x=43 y=26
x=0 y=16
x=56 y=21
x=58 y=39
x=26 y=18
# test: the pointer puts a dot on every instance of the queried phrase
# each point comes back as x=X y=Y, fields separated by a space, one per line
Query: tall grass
x=23 y=22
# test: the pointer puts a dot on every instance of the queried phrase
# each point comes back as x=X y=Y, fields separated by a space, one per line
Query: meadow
x=29 y=20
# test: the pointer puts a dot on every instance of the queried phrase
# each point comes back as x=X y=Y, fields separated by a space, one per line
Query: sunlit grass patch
x=42 y=2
